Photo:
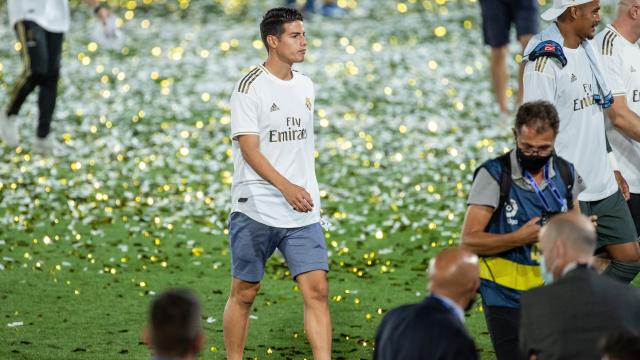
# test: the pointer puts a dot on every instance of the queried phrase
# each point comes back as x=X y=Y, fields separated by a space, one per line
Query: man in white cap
x=562 y=67
x=620 y=59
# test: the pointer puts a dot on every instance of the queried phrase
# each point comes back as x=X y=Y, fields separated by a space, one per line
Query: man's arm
x=475 y=239
x=624 y=119
x=295 y=195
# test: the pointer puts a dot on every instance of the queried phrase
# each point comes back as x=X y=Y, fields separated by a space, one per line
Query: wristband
x=613 y=161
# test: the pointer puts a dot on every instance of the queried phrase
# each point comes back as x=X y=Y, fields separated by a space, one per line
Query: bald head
x=626 y=5
x=454 y=273
x=574 y=230
x=627 y=21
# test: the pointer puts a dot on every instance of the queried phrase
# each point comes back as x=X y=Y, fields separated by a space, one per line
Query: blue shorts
x=252 y=243
x=498 y=15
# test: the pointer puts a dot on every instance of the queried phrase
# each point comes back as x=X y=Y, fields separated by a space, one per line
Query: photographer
x=510 y=198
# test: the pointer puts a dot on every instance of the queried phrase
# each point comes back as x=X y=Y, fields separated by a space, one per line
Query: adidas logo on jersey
x=274 y=107
x=573 y=77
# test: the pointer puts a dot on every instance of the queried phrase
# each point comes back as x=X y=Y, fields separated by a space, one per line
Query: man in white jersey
x=40 y=26
x=568 y=76
x=620 y=59
x=276 y=202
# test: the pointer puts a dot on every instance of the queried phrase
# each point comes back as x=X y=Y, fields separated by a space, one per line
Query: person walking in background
x=40 y=26
x=497 y=18
x=434 y=328
x=329 y=7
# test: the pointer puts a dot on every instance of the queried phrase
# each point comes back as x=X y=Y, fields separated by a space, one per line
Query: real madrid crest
x=307 y=102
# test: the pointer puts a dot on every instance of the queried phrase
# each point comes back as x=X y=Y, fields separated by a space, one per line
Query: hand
x=622 y=183
x=529 y=231
x=297 y=197
x=594 y=219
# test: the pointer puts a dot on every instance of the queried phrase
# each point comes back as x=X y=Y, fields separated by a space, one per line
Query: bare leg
x=317 y=319
x=236 y=317
x=499 y=76
x=524 y=40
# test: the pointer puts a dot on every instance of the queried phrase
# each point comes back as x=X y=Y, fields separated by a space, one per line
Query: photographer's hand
x=529 y=231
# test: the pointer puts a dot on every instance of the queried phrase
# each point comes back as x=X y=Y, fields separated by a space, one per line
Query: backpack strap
x=567 y=175
x=505 y=185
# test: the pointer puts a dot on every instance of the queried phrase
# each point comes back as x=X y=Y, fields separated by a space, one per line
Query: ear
x=634 y=12
x=146 y=336
x=574 y=12
x=272 y=41
x=199 y=342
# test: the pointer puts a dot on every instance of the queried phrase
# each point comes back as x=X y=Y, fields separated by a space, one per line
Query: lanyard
x=552 y=186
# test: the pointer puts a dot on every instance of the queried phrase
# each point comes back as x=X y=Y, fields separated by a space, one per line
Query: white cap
x=559 y=6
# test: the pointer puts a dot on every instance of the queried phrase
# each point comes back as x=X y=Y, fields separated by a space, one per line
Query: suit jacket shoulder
x=426 y=330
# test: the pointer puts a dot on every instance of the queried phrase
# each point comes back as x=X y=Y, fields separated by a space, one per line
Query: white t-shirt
x=281 y=114
x=581 y=139
x=52 y=15
x=620 y=61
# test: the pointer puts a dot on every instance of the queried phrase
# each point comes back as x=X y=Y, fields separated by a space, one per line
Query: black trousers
x=504 y=325
x=634 y=206
x=41 y=59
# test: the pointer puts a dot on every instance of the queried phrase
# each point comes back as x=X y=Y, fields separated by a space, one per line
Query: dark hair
x=538 y=115
x=175 y=322
x=273 y=21
x=621 y=346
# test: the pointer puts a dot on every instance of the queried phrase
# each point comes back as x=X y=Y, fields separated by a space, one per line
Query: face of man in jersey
x=291 y=45
x=534 y=147
x=587 y=18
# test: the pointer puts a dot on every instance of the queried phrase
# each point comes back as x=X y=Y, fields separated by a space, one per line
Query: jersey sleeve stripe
x=541 y=63
x=244 y=79
x=605 y=39
x=247 y=85
x=609 y=44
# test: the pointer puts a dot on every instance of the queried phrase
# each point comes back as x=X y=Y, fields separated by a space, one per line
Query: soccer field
x=139 y=201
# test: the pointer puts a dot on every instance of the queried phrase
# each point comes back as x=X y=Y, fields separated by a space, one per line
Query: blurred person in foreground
x=175 y=330
x=434 y=328
x=577 y=307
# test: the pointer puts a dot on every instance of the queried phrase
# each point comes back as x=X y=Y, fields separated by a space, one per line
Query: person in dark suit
x=566 y=318
x=434 y=328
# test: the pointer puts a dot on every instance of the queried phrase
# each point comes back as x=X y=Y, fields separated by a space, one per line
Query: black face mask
x=532 y=163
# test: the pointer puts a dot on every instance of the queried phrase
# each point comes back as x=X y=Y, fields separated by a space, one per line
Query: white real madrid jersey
x=621 y=67
x=52 y=15
x=281 y=114
x=581 y=139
